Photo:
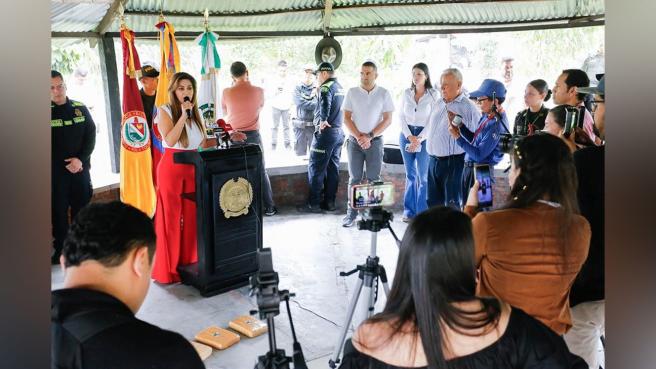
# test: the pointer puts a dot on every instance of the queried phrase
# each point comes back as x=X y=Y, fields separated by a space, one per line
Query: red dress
x=175 y=218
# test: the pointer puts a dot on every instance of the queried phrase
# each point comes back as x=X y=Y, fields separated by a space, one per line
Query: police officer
x=326 y=148
x=305 y=99
x=481 y=146
x=73 y=135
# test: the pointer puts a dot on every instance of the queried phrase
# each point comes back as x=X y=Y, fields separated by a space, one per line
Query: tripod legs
x=349 y=316
x=368 y=275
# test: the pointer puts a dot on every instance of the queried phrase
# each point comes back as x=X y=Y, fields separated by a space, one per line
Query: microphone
x=186 y=99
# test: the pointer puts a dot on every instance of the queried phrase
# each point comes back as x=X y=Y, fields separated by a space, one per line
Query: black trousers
x=72 y=191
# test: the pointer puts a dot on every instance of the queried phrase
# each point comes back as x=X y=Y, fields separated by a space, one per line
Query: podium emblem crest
x=235 y=197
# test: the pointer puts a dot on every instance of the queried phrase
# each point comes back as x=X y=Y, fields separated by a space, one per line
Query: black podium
x=227 y=243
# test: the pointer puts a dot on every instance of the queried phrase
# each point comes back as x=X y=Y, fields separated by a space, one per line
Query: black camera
x=507 y=142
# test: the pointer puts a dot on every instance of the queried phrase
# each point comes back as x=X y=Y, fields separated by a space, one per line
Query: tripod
x=265 y=282
x=368 y=274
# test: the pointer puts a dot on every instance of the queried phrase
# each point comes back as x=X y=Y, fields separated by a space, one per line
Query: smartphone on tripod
x=372 y=195
x=482 y=173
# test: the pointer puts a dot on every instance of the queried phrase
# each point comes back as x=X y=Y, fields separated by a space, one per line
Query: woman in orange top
x=529 y=252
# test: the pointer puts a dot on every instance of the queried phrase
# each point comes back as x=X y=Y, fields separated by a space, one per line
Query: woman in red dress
x=180 y=124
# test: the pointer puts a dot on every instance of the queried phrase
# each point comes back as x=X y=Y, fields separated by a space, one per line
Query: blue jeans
x=445 y=180
x=416 y=176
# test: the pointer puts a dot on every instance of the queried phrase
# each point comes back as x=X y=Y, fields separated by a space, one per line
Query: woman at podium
x=180 y=124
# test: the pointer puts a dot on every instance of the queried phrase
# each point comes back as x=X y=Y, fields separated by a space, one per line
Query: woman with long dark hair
x=531 y=120
x=175 y=217
x=417 y=103
x=433 y=318
x=529 y=251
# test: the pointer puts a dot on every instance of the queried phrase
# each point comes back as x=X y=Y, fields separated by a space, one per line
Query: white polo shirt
x=367 y=108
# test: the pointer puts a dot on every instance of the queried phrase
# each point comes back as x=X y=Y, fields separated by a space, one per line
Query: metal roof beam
x=322 y=8
x=375 y=31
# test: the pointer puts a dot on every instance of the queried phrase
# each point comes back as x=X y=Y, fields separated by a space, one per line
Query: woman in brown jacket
x=529 y=252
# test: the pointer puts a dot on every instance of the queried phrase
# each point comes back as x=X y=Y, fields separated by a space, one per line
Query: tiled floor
x=309 y=251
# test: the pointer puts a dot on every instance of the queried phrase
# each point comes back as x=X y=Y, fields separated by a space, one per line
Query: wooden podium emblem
x=235 y=197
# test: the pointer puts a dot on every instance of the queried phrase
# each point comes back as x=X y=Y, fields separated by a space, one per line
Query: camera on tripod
x=265 y=285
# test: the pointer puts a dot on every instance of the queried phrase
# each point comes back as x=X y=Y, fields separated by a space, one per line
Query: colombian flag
x=170 y=64
x=136 y=163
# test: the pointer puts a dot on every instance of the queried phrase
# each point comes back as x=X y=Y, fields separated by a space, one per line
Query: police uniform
x=326 y=148
x=303 y=124
x=73 y=135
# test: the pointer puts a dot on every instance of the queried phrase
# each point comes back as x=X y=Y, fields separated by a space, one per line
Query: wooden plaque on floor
x=218 y=338
x=248 y=326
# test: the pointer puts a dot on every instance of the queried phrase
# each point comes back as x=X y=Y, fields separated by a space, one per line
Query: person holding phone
x=417 y=104
x=433 y=318
x=180 y=124
x=555 y=124
x=482 y=145
x=530 y=251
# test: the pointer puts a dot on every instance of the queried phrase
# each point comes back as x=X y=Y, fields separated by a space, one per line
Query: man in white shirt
x=367 y=113
x=281 y=102
x=447 y=158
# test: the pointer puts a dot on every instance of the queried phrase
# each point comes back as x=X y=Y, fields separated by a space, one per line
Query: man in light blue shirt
x=447 y=158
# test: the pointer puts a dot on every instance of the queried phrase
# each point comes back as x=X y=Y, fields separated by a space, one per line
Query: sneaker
x=270 y=211
x=348 y=221
x=328 y=206
x=307 y=208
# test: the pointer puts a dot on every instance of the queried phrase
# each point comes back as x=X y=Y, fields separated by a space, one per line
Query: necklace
x=550 y=203
x=530 y=127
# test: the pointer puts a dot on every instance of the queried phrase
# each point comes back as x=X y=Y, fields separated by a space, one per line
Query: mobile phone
x=571 y=119
x=483 y=176
x=581 y=117
x=457 y=121
x=372 y=195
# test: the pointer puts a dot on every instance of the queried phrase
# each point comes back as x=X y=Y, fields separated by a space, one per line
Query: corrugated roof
x=76 y=17
x=267 y=16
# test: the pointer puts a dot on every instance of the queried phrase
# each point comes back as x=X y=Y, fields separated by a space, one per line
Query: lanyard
x=480 y=128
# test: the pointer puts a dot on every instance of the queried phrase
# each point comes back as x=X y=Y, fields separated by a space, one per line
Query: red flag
x=136 y=162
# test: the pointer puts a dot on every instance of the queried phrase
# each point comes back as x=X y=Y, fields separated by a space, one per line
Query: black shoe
x=307 y=208
x=270 y=211
x=328 y=206
x=348 y=220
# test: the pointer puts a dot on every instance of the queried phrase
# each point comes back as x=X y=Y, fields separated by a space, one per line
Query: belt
x=446 y=156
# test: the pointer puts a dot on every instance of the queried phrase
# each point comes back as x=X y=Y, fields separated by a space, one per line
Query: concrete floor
x=309 y=251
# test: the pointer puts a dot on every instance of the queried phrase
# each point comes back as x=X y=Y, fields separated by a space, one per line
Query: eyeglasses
x=596 y=103
x=481 y=99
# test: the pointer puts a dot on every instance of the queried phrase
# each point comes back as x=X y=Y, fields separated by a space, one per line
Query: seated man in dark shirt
x=107 y=260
